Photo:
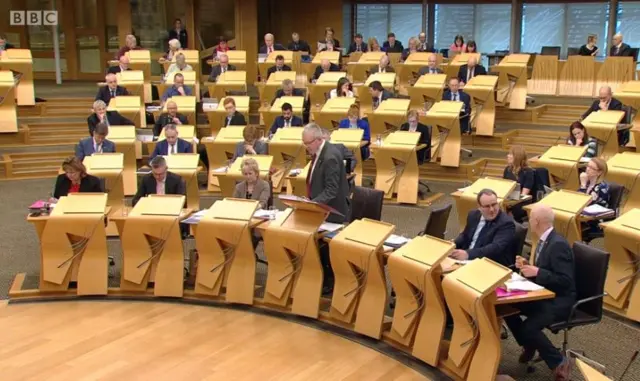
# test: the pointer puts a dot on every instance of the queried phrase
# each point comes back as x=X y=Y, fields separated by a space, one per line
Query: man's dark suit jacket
x=425 y=70
x=296 y=121
x=276 y=46
x=104 y=94
x=425 y=138
x=329 y=182
x=114 y=69
x=425 y=47
x=294 y=93
x=300 y=46
x=397 y=47
x=183 y=38
x=162 y=148
x=496 y=240
x=8 y=46
x=88 y=184
x=478 y=70
x=595 y=106
x=173 y=184
x=319 y=71
x=354 y=47
x=113 y=117
x=466 y=111
x=556 y=271
x=625 y=51
x=165 y=119
x=236 y=120
x=217 y=70
x=273 y=69
x=375 y=69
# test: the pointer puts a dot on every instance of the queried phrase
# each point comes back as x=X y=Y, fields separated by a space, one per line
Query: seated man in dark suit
x=298 y=45
x=101 y=115
x=378 y=93
x=605 y=102
x=97 y=143
x=223 y=66
x=383 y=66
x=423 y=44
x=489 y=232
x=432 y=66
x=470 y=70
x=123 y=66
x=288 y=89
x=234 y=117
x=269 y=45
x=392 y=45
x=455 y=94
x=279 y=66
x=413 y=125
x=111 y=90
x=619 y=48
x=159 y=181
x=324 y=67
x=172 y=116
x=552 y=267
x=358 y=45
x=177 y=89
x=171 y=145
x=287 y=119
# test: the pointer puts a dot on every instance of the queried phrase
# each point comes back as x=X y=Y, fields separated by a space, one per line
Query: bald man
x=111 y=90
x=222 y=67
x=552 y=266
x=122 y=66
x=432 y=66
x=423 y=44
x=619 y=48
x=470 y=70
x=383 y=66
x=270 y=45
x=606 y=101
x=324 y=67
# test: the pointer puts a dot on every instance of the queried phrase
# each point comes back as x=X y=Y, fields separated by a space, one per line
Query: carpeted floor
x=610 y=343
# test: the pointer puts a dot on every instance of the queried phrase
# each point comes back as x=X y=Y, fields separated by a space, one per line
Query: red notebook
x=503 y=293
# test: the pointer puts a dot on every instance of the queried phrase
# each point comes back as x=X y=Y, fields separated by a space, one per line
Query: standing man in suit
x=234 y=117
x=221 y=68
x=391 y=45
x=101 y=115
x=358 y=45
x=378 y=93
x=172 y=116
x=171 y=145
x=324 y=67
x=350 y=160
x=111 y=90
x=269 y=45
x=298 y=45
x=413 y=125
x=423 y=45
x=489 y=232
x=619 y=48
x=123 y=66
x=286 y=120
x=605 y=102
x=97 y=143
x=383 y=66
x=553 y=267
x=179 y=33
x=455 y=94
x=432 y=66
x=470 y=70
x=177 y=89
x=279 y=66
x=159 y=181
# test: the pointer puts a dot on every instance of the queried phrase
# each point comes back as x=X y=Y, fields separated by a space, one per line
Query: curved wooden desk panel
x=577 y=77
x=544 y=78
x=614 y=72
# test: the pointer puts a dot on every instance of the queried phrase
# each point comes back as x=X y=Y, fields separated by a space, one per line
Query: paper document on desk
x=220 y=170
x=195 y=218
x=585 y=159
x=330 y=227
x=145 y=138
x=463 y=261
x=596 y=210
x=209 y=106
x=153 y=108
x=396 y=240
x=463 y=189
x=268 y=214
x=519 y=283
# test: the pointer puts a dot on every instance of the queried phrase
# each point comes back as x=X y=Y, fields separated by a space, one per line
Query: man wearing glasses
x=489 y=232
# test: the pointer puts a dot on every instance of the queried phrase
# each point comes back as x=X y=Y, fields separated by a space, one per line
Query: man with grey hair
x=270 y=45
x=605 y=102
x=553 y=267
x=179 y=66
x=470 y=70
x=222 y=67
x=159 y=181
x=101 y=115
x=122 y=66
x=130 y=43
x=111 y=90
x=324 y=67
x=619 y=48
x=171 y=144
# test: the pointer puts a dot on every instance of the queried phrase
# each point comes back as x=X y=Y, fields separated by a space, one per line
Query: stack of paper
x=195 y=218
x=220 y=170
x=519 y=283
x=396 y=240
x=596 y=210
x=330 y=227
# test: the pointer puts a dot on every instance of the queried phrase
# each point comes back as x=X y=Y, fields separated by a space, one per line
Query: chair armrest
x=582 y=301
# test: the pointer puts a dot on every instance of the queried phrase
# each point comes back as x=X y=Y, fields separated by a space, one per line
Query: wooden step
x=33 y=164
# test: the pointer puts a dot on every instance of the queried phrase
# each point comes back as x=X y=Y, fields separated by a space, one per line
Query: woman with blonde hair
x=592 y=183
x=75 y=179
x=353 y=120
x=590 y=48
x=412 y=47
x=253 y=187
x=174 y=48
x=518 y=170
x=373 y=45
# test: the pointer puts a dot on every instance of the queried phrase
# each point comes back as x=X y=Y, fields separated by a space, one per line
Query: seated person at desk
x=131 y=43
x=552 y=268
x=413 y=48
x=288 y=89
x=222 y=67
x=423 y=44
x=458 y=45
x=122 y=66
x=324 y=67
x=252 y=144
x=269 y=45
x=432 y=66
x=343 y=89
x=470 y=70
x=328 y=47
x=605 y=102
x=159 y=181
x=178 y=66
x=489 y=232
x=328 y=37
x=222 y=47
x=253 y=187
x=358 y=45
x=383 y=66
x=518 y=170
x=592 y=183
x=171 y=145
x=174 y=47
x=298 y=45
x=392 y=45
x=455 y=94
x=177 y=89
x=286 y=120
x=579 y=137
x=279 y=66
x=97 y=143
x=353 y=121
x=590 y=48
x=111 y=90
x=75 y=179
x=373 y=45
x=234 y=117
x=101 y=115
x=619 y=48
x=378 y=93
x=413 y=125
x=471 y=47
x=172 y=116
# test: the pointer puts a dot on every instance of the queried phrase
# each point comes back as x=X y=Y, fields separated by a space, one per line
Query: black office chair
x=521 y=236
x=616 y=192
x=551 y=51
x=437 y=222
x=634 y=54
x=573 y=51
x=366 y=203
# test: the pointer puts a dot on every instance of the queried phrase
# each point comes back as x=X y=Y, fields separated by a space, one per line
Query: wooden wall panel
x=246 y=13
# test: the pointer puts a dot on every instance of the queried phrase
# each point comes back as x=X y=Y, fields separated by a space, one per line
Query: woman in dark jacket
x=75 y=179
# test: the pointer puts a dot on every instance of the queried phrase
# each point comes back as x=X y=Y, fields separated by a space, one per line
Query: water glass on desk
x=125 y=208
x=378 y=140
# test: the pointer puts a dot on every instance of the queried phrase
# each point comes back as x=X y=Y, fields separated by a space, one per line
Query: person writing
x=590 y=48
x=579 y=137
x=159 y=181
x=97 y=143
x=353 y=121
x=518 y=170
x=253 y=187
x=343 y=89
x=75 y=179
x=251 y=145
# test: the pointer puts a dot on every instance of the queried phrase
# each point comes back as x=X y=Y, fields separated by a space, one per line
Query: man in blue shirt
x=177 y=89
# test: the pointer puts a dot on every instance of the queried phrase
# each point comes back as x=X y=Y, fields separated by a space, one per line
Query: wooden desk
x=237 y=58
x=562 y=163
x=217 y=117
x=228 y=81
x=577 y=77
x=133 y=81
x=270 y=61
x=544 y=77
x=567 y=207
x=483 y=112
x=408 y=71
x=397 y=172
x=333 y=111
x=359 y=71
x=512 y=81
x=131 y=107
x=268 y=90
x=220 y=150
x=270 y=113
x=288 y=152
x=185 y=132
x=624 y=169
x=124 y=138
x=141 y=60
x=629 y=94
x=614 y=72
x=603 y=125
x=452 y=69
x=466 y=200
x=388 y=117
x=427 y=91
x=190 y=80
x=352 y=139
x=21 y=62
x=445 y=115
x=186 y=166
x=319 y=91
x=388 y=81
x=8 y=113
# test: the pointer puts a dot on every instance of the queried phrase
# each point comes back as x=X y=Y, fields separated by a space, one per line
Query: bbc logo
x=33 y=17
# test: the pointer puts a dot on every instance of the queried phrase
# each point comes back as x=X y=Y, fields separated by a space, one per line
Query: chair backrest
x=551 y=51
x=521 y=236
x=634 y=54
x=103 y=184
x=444 y=52
x=616 y=191
x=573 y=51
x=366 y=203
x=270 y=199
x=591 y=265
x=540 y=180
x=437 y=223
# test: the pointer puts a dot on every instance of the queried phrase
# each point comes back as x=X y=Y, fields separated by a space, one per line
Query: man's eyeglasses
x=489 y=206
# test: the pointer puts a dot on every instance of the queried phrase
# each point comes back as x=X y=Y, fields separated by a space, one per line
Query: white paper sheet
x=396 y=240
x=330 y=227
